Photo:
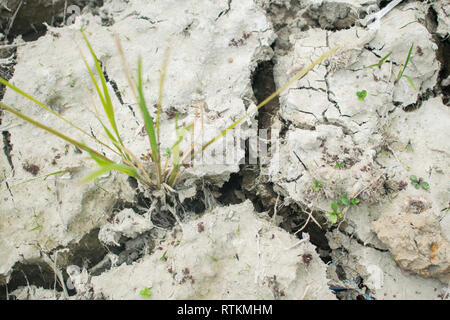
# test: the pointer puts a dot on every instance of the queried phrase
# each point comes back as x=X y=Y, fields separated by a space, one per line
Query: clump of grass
x=157 y=175
x=402 y=68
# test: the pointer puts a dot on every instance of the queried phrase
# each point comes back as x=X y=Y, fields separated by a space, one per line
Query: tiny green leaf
x=339 y=165
x=361 y=95
x=344 y=199
x=334 y=206
x=317 y=185
x=146 y=293
x=332 y=216
x=425 y=185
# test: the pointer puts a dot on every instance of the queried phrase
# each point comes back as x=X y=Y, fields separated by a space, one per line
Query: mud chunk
x=416 y=243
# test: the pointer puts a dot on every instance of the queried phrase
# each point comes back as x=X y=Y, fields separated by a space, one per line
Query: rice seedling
x=402 y=70
x=380 y=63
x=155 y=175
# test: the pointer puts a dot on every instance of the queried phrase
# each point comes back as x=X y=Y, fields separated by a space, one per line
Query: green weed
x=419 y=182
x=317 y=186
x=335 y=214
x=339 y=207
x=339 y=165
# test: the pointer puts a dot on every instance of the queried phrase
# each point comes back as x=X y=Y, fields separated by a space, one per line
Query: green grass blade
x=161 y=89
x=106 y=101
x=100 y=161
x=406 y=63
x=384 y=59
x=107 y=107
x=175 y=150
x=44 y=177
x=410 y=81
x=112 y=167
x=54 y=132
x=180 y=137
x=175 y=154
x=113 y=139
x=380 y=63
x=94 y=81
x=43 y=106
x=268 y=99
x=148 y=122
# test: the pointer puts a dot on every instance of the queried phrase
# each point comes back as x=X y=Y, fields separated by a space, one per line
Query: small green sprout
x=164 y=256
x=146 y=293
x=344 y=200
x=165 y=174
x=417 y=183
x=168 y=153
x=347 y=202
x=339 y=165
x=380 y=63
x=317 y=186
x=335 y=213
x=354 y=201
x=361 y=95
x=38 y=226
x=246 y=269
x=400 y=74
x=213 y=258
